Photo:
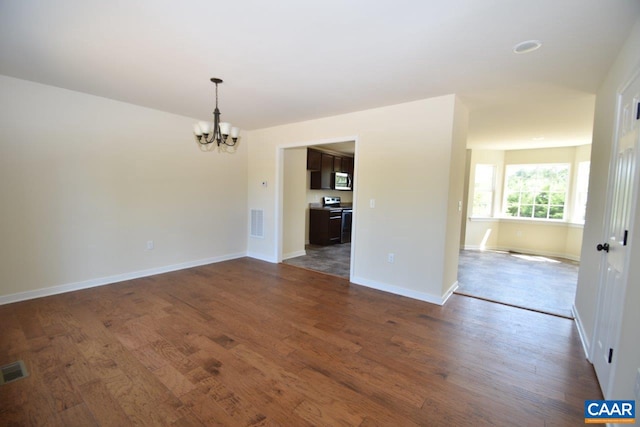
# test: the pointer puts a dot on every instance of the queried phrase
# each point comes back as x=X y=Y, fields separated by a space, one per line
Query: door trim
x=279 y=205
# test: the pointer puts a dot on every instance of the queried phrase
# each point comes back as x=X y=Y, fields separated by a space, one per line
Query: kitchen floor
x=331 y=259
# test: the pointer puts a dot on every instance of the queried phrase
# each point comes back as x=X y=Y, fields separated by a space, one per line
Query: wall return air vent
x=257 y=223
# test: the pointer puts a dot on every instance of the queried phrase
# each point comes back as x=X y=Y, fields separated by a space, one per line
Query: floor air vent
x=13 y=372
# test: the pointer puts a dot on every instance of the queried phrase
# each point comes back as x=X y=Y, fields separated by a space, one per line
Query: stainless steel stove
x=347 y=216
x=331 y=202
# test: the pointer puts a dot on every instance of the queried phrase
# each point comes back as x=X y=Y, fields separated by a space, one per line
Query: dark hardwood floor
x=246 y=342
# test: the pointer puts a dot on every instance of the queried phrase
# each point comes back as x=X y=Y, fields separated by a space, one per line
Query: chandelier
x=207 y=132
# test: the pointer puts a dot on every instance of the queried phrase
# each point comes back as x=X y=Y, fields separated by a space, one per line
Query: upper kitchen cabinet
x=347 y=165
x=322 y=165
x=314 y=160
x=321 y=179
x=337 y=164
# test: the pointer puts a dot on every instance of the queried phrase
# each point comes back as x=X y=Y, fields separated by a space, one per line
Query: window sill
x=551 y=222
x=484 y=219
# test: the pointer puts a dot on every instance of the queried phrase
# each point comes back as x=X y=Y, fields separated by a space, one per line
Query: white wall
x=403 y=161
x=457 y=175
x=514 y=126
x=86 y=181
x=628 y=353
x=295 y=206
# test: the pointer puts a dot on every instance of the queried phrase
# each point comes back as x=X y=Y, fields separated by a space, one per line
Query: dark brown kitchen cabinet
x=347 y=165
x=337 y=164
x=325 y=226
x=322 y=165
x=321 y=180
x=314 y=160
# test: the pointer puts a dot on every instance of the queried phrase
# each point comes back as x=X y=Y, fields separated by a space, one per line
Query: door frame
x=279 y=205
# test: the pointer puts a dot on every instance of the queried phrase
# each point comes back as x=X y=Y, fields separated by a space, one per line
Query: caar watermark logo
x=610 y=411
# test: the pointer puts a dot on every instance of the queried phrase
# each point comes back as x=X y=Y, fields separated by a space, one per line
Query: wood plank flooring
x=248 y=343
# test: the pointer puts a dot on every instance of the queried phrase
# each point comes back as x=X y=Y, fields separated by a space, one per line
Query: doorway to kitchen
x=317 y=210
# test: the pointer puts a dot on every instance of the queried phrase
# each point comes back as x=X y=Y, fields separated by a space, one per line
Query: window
x=582 y=190
x=536 y=190
x=483 y=190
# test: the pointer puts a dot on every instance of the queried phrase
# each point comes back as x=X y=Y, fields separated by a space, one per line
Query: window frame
x=491 y=190
x=535 y=194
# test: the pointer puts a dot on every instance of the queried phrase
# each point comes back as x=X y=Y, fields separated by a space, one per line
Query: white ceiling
x=289 y=60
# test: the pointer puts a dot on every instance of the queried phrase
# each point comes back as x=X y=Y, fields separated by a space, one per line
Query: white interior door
x=618 y=221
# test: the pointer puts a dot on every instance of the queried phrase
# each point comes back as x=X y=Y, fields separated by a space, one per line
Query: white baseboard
x=294 y=254
x=527 y=251
x=422 y=296
x=450 y=292
x=586 y=345
x=262 y=257
x=91 y=283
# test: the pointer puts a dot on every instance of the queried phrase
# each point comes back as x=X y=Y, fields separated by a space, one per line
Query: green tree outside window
x=536 y=190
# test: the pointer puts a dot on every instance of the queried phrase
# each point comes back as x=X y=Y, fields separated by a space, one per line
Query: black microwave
x=341 y=181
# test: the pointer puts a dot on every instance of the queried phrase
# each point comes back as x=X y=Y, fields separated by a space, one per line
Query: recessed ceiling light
x=527 y=46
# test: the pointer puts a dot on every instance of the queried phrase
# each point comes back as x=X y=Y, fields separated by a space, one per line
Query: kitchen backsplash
x=315 y=196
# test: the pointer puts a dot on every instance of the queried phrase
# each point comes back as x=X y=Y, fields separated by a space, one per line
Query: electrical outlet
x=149 y=245
x=391 y=258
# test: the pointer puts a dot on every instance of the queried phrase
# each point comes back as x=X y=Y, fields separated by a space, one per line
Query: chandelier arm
x=225 y=139
x=205 y=140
